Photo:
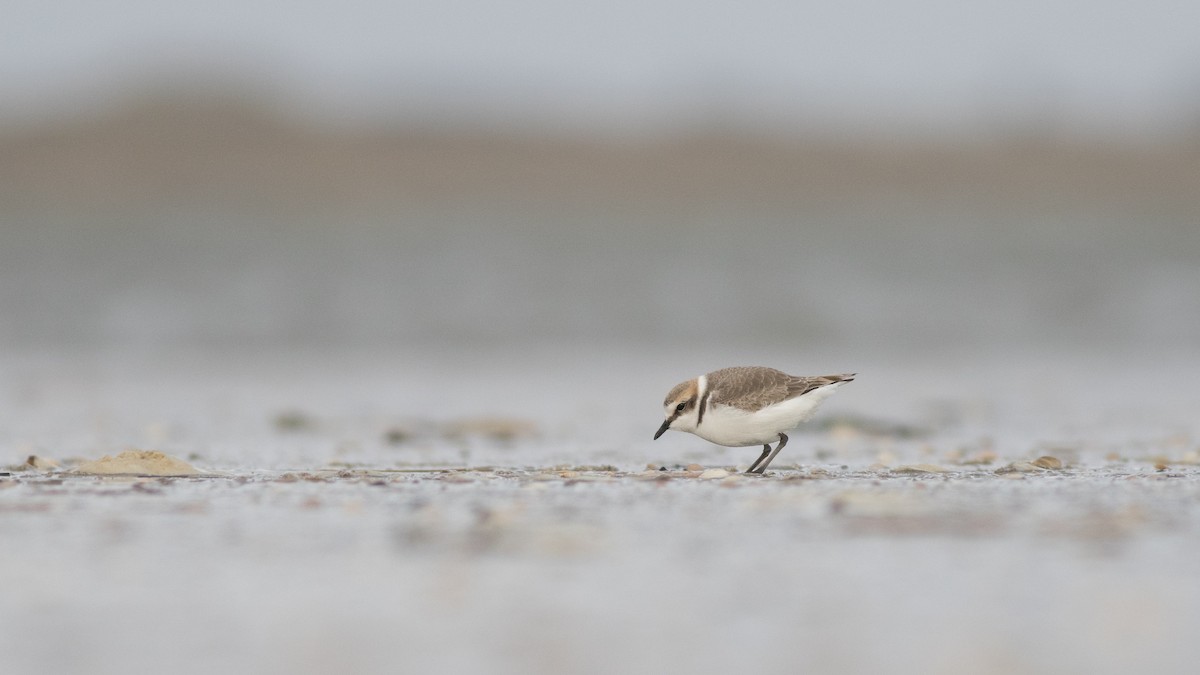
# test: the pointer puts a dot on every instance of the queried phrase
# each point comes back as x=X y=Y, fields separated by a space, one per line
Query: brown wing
x=752 y=387
x=799 y=386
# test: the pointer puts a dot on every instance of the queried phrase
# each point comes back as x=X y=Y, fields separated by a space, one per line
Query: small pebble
x=492 y=428
x=920 y=468
x=713 y=474
x=1020 y=467
x=41 y=463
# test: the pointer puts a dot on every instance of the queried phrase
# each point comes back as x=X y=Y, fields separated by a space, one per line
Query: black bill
x=663 y=429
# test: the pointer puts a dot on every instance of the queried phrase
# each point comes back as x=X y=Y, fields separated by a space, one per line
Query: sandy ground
x=581 y=570
x=347 y=522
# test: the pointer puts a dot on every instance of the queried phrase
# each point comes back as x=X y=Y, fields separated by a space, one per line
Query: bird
x=745 y=406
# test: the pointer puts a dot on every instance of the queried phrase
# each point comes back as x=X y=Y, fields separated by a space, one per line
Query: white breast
x=734 y=427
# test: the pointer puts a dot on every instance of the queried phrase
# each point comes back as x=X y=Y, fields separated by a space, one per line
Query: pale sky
x=920 y=64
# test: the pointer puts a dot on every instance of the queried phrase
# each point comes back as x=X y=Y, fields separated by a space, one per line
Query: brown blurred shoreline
x=178 y=221
x=161 y=151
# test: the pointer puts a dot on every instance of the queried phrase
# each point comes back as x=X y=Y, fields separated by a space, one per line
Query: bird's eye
x=680 y=407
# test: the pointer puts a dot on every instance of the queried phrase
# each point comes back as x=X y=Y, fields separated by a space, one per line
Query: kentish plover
x=739 y=407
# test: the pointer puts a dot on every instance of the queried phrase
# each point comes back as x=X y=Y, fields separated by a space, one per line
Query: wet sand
x=349 y=519
x=583 y=570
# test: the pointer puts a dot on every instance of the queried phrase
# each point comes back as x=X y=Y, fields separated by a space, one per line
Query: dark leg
x=759 y=468
x=766 y=451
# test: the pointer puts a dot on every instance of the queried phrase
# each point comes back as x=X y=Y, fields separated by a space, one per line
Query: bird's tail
x=838 y=379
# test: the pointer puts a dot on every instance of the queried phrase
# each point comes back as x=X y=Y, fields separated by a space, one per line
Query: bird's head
x=680 y=410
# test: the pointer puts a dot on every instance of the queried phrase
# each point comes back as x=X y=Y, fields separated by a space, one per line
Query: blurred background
x=392 y=235
x=867 y=176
